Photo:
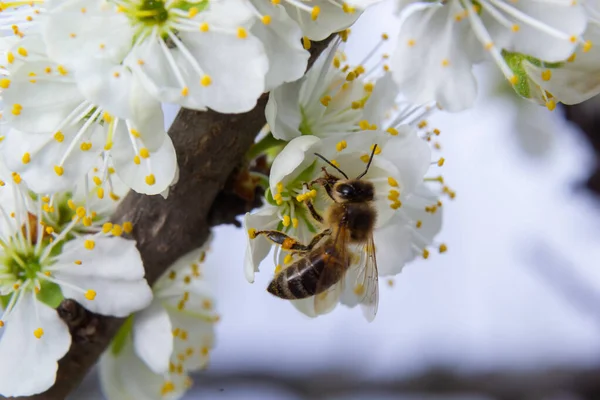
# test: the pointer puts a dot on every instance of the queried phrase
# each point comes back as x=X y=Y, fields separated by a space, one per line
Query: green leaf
x=50 y=294
x=122 y=336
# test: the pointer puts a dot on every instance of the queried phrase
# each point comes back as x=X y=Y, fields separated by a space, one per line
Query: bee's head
x=353 y=191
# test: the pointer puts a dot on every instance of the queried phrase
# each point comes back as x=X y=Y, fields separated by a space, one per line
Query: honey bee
x=321 y=270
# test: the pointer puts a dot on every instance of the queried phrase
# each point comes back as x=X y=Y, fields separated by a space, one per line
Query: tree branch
x=209 y=147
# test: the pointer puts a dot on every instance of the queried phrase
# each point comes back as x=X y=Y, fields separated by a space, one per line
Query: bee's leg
x=280 y=238
x=318 y=238
x=311 y=208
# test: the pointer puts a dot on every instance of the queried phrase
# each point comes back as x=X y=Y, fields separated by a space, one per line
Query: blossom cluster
x=82 y=84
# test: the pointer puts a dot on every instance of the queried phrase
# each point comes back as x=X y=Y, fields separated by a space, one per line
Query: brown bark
x=209 y=147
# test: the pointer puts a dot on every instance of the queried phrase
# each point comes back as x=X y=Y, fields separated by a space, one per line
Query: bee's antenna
x=369 y=163
x=330 y=163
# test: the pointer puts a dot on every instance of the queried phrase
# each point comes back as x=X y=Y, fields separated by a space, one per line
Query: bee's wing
x=331 y=282
x=366 y=287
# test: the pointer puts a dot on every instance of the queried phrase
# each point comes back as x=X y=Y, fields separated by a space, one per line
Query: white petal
x=29 y=364
x=432 y=60
x=113 y=269
x=291 y=159
x=283 y=45
x=283 y=111
x=257 y=249
x=43 y=103
x=162 y=164
x=381 y=100
x=330 y=19
x=74 y=37
x=126 y=377
x=200 y=338
x=46 y=153
x=153 y=337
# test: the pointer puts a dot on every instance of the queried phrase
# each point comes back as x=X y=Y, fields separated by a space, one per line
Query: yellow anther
x=489 y=45
x=38 y=333
x=334 y=162
x=204 y=27
x=546 y=75
x=286 y=220
x=514 y=79
x=314 y=14
x=108 y=146
x=252 y=233
x=97 y=180
x=278 y=268
x=441 y=162
x=587 y=46
x=150 y=179
x=325 y=100
x=364 y=124
x=437 y=131
x=377 y=150
x=10 y=57
x=16 y=178
x=89 y=244
x=127 y=227
x=278 y=197
x=266 y=19
x=192 y=12
x=443 y=248
x=117 y=230
x=356 y=105
x=515 y=28
x=295 y=222
x=396 y=205
x=393 y=194
x=26 y=158
x=71 y=204
x=206 y=80
x=242 y=33
x=106 y=227
x=144 y=152
x=185 y=91
x=573 y=39
x=59 y=137
x=392 y=181
x=336 y=62
x=344 y=34
x=16 y=109
x=78 y=262
x=167 y=388
x=80 y=212
x=107 y=117
x=425 y=254
x=22 y=51
x=48 y=273
x=392 y=131
x=62 y=70
x=114 y=196
x=49 y=230
x=341 y=145
x=85 y=146
x=351 y=76
x=301 y=197
x=306 y=43
x=369 y=87
x=419 y=224
x=445 y=62
x=90 y=295
x=87 y=221
x=572 y=57
x=288 y=259
x=4 y=83
x=280 y=187
x=136 y=159
x=1 y=324
x=551 y=105
x=349 y=9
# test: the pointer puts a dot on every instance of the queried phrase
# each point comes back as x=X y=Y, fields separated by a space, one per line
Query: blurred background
x=511 y=311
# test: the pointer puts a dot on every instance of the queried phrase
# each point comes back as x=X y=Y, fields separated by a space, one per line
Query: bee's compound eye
x=345 y=190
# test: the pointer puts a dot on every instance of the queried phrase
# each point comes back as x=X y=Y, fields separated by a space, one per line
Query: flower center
x=22 y=265
x=152 y=12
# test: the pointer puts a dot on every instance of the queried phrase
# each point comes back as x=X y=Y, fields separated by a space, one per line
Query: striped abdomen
x=301 y=279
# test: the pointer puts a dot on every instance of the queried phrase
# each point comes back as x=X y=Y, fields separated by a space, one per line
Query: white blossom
x=440 y=41
x=158 y=347
x=50 y=251
x=193 y=53
x=57 y=122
